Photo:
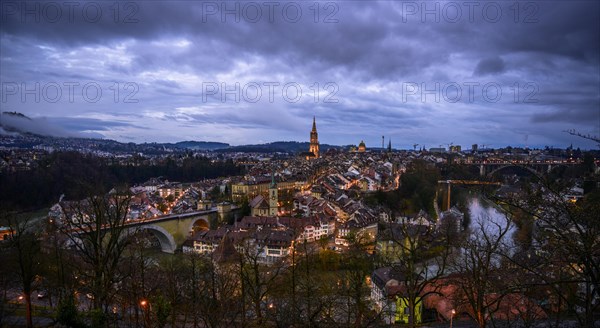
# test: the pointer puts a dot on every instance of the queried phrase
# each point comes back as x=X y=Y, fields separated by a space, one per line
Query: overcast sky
x=428 y=73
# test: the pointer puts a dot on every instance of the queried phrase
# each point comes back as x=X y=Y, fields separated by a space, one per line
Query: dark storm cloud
x=368 y=49
x=361 y=42
x=84 y=124
x=490 y=66
x=579 y=115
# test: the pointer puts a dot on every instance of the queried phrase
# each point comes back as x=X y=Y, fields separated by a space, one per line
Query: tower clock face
x=273 y=197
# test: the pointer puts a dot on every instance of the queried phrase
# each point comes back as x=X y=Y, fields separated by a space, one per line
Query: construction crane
x=464 y=182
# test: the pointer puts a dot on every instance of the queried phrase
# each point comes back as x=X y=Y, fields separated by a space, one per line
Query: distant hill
x=200 y=145
x=28 y=132
x=278 y=146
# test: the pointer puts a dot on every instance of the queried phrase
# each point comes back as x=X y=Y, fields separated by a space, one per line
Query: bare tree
x=258 y=279
x=24 y=256
x=352 y=291
x=418 y=258
x=480 y=279
x=216 y=292
x=96 y=228
x=5 y=281
x=139 y=278
x=565 y=245
x=308 y=282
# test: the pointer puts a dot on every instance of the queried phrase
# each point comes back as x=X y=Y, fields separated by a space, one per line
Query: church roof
x=259 y=202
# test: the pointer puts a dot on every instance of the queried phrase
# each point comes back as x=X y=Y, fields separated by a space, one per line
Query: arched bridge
x=172 y=230
x=490 y=167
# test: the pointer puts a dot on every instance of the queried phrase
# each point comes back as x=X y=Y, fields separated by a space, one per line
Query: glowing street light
x=146 y=308
x=452 y=316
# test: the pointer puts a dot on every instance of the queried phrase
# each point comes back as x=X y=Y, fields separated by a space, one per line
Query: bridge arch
x=530 y=169
x=199 y=222
x=166 y=240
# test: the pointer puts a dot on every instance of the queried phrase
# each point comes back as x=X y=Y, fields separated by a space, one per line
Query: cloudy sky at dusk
x=494 y=73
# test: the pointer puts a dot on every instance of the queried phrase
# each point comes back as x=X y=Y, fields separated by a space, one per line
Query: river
x=487 y=218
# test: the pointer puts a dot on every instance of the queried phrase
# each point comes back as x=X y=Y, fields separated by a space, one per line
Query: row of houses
x=270 y=239
x=254 y=186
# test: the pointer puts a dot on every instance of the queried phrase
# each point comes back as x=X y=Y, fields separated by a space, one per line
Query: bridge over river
x=172 y=230
x=490 y=167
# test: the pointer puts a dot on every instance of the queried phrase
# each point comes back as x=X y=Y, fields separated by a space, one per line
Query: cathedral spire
x=314 y=140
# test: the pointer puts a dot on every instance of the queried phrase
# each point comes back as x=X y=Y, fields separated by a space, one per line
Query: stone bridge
x=489 y=168
x=172 y=230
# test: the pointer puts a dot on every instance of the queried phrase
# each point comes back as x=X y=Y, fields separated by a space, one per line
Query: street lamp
x=452 y=316
x=146 y=308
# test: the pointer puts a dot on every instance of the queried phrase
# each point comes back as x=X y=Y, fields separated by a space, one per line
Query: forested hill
x=74 y=174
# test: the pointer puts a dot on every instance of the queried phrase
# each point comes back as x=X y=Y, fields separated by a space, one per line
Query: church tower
x=273 y=197
x=314 y=140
